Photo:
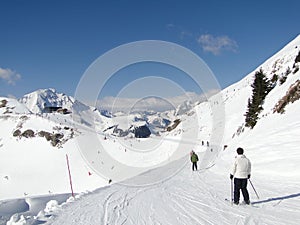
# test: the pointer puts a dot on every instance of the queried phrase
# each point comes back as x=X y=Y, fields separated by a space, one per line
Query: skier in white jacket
x=241 y=172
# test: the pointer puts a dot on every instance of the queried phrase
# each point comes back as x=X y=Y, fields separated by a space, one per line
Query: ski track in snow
x=188 y=198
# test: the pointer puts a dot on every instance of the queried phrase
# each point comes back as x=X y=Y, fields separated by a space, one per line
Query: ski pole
x=231 y=191
x=253 y=188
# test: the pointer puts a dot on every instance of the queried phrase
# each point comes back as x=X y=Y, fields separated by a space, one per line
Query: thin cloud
x=180 y=31
x=9 y=76
x=114 y=104
x=184 y=34
x=170 y=26
x=11 y=96
x=216 y=45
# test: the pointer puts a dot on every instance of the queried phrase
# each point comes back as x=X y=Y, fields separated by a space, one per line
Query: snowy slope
x=236 y=96
x=8 y=105
x=32 y=166
x=28 y=164
x=187 y=198
x=184 y=197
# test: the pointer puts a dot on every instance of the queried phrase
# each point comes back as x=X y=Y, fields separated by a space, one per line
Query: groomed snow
x=187 y=198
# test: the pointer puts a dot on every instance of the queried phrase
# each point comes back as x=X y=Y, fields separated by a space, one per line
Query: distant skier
x=241 y=172
x=194 y=160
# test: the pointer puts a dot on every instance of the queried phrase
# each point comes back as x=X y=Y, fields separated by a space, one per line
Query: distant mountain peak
x=37 y=101
x=184 y=107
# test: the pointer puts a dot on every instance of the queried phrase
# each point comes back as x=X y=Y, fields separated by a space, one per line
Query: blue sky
x=51 y=43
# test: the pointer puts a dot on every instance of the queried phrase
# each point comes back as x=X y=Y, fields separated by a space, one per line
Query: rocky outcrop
x=142 y=132
x=3 y=103
x=292 y=95
x=173 y=125
x=56 y=139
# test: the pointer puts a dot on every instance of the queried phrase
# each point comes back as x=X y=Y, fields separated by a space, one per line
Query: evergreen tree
x=251 y=115
x=261 y=87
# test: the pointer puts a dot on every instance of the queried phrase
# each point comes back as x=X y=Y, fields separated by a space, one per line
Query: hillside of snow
x=163 y=190
x=36 y=165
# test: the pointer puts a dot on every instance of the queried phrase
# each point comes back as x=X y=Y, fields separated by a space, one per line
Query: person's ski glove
x=231 y=176
x=249 y=176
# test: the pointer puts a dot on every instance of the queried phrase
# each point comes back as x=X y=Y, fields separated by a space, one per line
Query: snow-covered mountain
x=184 y=107
x=28 y=131
x=174 y=194
x=47 y=100
x=39 y=100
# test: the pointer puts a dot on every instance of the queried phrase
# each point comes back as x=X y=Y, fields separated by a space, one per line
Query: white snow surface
x=186 y=197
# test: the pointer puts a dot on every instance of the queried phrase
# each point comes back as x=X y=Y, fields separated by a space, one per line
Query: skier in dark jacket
x=194 y=160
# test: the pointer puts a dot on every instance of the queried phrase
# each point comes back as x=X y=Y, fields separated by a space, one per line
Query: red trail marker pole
x=70 y=178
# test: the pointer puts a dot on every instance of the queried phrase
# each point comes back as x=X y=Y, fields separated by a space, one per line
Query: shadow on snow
x=277 y=199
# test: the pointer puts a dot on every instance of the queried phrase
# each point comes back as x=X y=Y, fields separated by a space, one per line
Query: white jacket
x=241 y=167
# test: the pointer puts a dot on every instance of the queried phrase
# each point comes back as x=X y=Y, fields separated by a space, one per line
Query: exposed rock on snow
x=173 y=125
x=3 y=103
x=142 y=132
x=292 y=95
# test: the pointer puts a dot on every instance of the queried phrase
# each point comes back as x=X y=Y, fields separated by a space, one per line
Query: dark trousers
x=194 y=167
x=240 y=184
